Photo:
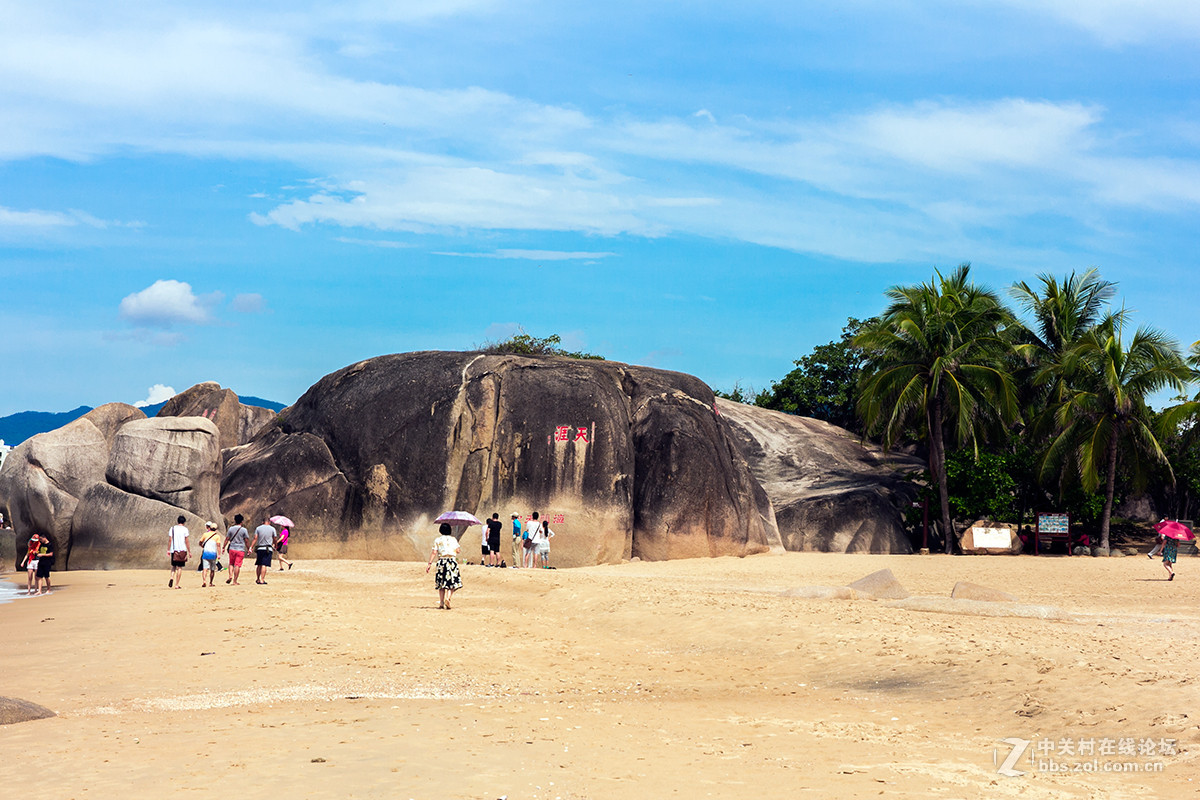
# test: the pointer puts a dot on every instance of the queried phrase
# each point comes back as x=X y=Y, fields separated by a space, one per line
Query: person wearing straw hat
x=210 y=549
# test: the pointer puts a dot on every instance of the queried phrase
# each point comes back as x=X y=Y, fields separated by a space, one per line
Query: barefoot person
x=45 y=562
x=264 y=545
x=237 y=539
x=31 y=562
x=180 y=548
x=447 y=579
x=210 y=551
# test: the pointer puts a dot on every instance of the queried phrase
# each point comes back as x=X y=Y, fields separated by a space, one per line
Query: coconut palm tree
x=1062 y=313
x=1103 y=419
x=936 y=359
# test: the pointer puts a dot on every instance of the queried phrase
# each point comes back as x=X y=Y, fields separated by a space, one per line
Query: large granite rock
x=109 y=418
x=44 y=477
x=114 y=529
x=633 y=461
x=117 y=480
x=830 y=492
x=237 y=423
x=176 y=460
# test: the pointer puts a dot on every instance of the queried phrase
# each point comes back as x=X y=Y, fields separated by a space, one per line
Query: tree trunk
x=937 y=465
x=1110 y=483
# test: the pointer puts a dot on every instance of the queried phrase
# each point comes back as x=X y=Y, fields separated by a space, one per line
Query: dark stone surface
x=367 y=458
x=14 y=710
x=830 y=492
x=237 y=423
x=114 y=529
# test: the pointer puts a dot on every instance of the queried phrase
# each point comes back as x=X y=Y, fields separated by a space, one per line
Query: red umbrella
x=1174 y=530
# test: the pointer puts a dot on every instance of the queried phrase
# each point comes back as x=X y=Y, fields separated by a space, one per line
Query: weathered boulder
x=237 y=423
x=881 y=584
x=830 y=492
x=965 y=590
x=14 y=710
x=176 y=460
x=113 y=529
x=624 y=461
x=43 y=478
x=109 y=418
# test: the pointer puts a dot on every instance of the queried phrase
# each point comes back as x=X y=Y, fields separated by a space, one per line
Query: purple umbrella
x=458 y=519
x=1174 y=530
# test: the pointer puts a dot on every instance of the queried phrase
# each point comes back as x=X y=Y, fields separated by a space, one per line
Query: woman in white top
x=447 y=579
x=179 y=548
x=541 y=545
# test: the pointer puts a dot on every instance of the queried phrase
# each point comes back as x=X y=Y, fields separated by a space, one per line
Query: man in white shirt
x=179 y=549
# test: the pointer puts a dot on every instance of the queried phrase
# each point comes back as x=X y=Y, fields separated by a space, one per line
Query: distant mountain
x=16 y=428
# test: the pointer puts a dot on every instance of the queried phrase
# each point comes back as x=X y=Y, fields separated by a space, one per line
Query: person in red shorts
x=237 y=539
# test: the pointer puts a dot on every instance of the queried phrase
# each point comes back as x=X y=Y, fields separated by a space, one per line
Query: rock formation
x=624 y=461
x=237 y=423
x=106 y=487
x=44 y=477
x=830 y=492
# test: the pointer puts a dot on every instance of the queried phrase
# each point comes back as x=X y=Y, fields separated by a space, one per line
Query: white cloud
x=168 y=302
x=533 y=255
x=384 y=243
x=251 y=303
x=158 y=393
x=1122 y=21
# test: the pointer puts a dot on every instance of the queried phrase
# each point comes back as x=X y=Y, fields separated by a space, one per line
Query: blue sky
x=259 y=194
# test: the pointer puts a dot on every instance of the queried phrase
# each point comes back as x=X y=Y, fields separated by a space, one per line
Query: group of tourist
x=530 y=547
x=530 y=543
x=266 y=541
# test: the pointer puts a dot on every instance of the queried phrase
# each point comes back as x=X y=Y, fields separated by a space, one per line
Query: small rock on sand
x=881 y=585
x=964 y=590
x=14 y=710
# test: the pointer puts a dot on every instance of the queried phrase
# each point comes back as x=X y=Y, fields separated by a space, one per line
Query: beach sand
x=693 y=679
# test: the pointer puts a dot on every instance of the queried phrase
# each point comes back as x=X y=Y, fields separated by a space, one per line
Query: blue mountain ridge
x=16 y=428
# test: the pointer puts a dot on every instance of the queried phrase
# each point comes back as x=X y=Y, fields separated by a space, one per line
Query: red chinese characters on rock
x=559 y=519
x=562 y=433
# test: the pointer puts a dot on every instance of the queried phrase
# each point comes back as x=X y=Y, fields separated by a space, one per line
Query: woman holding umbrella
x=447 y=579
x=1172 y=532
x=281 y=544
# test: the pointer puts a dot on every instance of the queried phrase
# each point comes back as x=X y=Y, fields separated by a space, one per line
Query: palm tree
x=1103 y=412
x=935 y=359
x=1062 y=314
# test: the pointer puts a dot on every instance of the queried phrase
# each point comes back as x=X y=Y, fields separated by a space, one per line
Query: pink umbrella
x=458 y=519
x=1174 y=530
x=279 y=519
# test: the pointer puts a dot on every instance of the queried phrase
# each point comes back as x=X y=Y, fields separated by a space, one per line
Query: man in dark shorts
x=264 y=545
x=493 y=541
x=45 y=561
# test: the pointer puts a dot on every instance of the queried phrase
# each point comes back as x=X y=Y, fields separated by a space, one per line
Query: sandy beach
x=696 y=678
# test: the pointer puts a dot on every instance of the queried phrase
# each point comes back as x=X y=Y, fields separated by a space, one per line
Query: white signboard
x=992 y=537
